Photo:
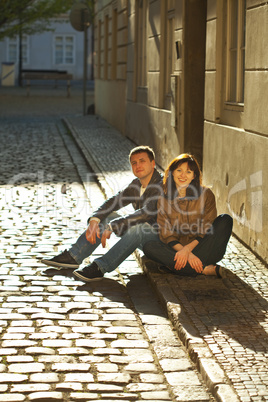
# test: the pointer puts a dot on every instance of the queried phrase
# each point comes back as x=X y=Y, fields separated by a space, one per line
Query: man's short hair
x=143 y=148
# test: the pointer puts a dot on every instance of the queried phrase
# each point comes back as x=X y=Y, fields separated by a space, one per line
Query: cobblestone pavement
x=61 y=339
x=223 y=323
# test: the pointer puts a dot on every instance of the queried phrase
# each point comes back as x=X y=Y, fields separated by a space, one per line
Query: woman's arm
x=167 y=233
x=209 y=212
x=185 y=254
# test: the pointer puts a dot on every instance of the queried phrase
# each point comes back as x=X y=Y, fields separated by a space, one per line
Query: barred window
x=114 y=44
x=168 y=52
x=142 y=15
x=13 y=49
x=235 y=51
x=64 y=49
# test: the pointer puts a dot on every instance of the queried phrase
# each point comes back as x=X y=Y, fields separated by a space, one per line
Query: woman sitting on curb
x=193 y=238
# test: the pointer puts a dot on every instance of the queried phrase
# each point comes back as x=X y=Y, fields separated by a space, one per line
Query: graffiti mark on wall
x=253 y=218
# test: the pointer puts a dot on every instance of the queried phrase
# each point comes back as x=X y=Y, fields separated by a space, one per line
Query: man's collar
x=154 y=178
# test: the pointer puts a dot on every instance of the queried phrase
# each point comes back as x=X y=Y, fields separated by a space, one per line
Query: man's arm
x=116 y=202
x=121 y=199
x=130 y=195
x=147 y=212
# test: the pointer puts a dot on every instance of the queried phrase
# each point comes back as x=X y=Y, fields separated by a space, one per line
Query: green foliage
x=32 y=16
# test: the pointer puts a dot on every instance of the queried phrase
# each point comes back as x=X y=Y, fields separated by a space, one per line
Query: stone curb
x=211 y=372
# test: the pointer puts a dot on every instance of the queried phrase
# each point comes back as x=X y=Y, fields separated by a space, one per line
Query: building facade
x=146 y=53
x=61 y=48
x=192 y=76
x=236 y=115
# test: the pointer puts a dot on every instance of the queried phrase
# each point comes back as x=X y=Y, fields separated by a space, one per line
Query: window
x=114 y=44
x=64 y=49
x=231 y=63
x=13 y=49
x=106 y=46
x=142 y=16
x=168 y=52
x=235 y=52
x=99 y=49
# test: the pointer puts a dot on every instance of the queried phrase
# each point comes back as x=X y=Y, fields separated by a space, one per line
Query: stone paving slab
x=222 y=323
x=61 y=339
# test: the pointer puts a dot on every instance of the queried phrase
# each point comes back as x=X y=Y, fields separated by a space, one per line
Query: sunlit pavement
x=222 y=322
x=64 y=340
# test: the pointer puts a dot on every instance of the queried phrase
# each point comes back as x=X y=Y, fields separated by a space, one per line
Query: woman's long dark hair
x=169 y=186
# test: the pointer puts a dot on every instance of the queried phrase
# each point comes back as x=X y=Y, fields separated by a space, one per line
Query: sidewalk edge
x=212 y=373
x=91 y=160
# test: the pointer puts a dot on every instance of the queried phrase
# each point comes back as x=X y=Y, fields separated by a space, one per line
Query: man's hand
x=93 y=230
x=105 y=235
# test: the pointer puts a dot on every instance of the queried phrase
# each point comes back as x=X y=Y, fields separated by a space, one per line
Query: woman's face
x=183 y=176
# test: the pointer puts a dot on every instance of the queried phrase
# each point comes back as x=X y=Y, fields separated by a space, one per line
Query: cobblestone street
x=61 y=339
x=223 y=323
x=129 y=337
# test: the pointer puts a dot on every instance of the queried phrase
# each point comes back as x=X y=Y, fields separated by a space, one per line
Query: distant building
x=59 y=49
x=191 y=75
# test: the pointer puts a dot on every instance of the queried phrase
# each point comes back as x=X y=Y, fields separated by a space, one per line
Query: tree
x=27 y=17
x=32 y=16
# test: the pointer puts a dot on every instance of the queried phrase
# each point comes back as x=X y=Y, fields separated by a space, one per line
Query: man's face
x=141 y=165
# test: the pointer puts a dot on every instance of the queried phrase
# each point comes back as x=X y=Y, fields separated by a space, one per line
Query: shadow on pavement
x=228 y=306
x=137 y=288
x=214 y=306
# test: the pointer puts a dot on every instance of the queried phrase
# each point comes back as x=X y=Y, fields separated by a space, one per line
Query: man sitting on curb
x=135 y=229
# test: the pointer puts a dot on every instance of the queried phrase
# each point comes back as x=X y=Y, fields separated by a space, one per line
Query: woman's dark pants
x=210 y=249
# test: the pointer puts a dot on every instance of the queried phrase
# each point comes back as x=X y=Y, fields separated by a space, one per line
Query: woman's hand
x=185 y=255
x=195 y=263
x=181 y=258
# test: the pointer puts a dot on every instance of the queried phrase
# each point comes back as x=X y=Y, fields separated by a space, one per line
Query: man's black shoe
x=89 y=273
x=64 y=260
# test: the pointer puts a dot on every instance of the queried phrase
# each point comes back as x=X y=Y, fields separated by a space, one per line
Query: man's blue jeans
x=133 y=238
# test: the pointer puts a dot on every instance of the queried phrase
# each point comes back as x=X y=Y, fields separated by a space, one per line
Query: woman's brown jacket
x=183 y=220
